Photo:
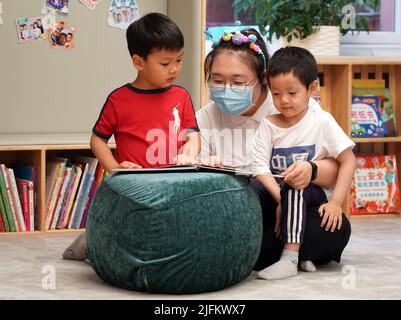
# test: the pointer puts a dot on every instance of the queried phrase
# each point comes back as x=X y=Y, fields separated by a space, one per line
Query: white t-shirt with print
x=315 y=137
x=231 y=138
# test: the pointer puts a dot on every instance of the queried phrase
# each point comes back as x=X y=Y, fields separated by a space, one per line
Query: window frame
x=376 y=38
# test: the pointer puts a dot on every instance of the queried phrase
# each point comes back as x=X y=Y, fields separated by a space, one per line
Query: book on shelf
x=16 y=200
x=386 y=109
x=61 y=196
x=55 y=174
x=78 y=170
x=375 y=188
x=366 y=121
x=12 y=202
x=4 y=225
x=29 y=173
x=368 y=83
x=4 y=190
x=83 y=193
x=24 y=187
x=95 y=184
x=67 y=196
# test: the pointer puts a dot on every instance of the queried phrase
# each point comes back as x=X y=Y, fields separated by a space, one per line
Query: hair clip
x=237 y=38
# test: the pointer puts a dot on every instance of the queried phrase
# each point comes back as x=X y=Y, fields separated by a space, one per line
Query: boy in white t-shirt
x=299 y=133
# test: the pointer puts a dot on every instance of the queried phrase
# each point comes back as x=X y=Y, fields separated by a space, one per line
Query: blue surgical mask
x=232 y=102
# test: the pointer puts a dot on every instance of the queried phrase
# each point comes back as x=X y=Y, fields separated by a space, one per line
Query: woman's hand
x=332 y=215
x=277 y=227
x=298 y=175
x=212 y=161
x=128 y=165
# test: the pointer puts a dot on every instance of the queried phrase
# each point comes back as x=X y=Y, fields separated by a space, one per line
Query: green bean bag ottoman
x=176 y=233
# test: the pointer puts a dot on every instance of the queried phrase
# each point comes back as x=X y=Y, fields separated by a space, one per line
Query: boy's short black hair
x=297 y=60
x=154 y=31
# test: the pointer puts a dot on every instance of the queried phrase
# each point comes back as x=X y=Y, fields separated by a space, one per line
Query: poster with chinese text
x=375 y=188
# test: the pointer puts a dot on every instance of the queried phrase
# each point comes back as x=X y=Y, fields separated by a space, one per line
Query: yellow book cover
x=368 y=83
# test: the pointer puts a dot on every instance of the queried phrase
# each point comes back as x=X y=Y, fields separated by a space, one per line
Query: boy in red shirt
x=152 y=120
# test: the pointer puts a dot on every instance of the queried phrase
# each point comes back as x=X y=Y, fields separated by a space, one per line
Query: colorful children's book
x=4 y=190
x=16 y=200
x=368 y=83
x=385 y=107
x=22 y=186
x=29 y=173
x=366 y=121
x=375 y=188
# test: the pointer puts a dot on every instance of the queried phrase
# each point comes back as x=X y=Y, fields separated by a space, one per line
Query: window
x=384 y=23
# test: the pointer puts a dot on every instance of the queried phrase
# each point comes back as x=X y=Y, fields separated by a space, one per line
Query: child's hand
x=277 y=228
x=332 y=215
x=298 y=175
x=212 y=161
x=184 y=160
x=128 y=165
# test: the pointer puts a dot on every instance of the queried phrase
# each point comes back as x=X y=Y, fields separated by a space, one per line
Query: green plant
x=301 y=18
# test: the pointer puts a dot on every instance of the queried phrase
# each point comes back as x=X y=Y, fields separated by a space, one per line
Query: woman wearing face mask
x=235 y=71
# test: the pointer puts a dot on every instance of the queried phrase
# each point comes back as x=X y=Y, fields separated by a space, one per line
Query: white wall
x=187 y=14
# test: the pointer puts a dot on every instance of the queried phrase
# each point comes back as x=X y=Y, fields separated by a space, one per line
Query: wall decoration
x=49 y=17
x=30 y=29
x=61 y=6
x=91 y=4
x=1 y=12
x=61 y=36
x=122 y=13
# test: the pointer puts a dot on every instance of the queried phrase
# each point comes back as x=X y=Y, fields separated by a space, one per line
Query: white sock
x=307 y=266
x=286 y=267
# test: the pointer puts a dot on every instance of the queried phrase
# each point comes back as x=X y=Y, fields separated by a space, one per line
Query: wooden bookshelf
x=338 y=73
x=36 y=155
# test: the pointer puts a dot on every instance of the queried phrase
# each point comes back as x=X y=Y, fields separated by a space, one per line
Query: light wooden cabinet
x=337 y=75
x=36 y=156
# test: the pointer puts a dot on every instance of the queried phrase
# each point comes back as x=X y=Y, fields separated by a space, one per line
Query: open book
x=195 y=168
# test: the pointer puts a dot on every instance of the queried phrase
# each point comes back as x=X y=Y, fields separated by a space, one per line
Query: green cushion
x=174 y=232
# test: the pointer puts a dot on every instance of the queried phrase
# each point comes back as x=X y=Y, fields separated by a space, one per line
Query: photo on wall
x=122 y=13
x=91 y=4
x=1 y=12
x=61 y=6
x=62 y=36
x=30 y=29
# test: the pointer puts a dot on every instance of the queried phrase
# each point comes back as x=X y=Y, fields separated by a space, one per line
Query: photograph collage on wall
x=30 y=29
x=61 y=6
x=62 y=36
x=1 y=12
x=122 y=13
x=91 y=4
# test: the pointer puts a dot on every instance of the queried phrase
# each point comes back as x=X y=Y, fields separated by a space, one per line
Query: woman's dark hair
x=154 y=31
x=253 y=59
x=297 y=60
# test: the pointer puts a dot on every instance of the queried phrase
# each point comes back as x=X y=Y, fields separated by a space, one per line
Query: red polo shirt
x=149 y=126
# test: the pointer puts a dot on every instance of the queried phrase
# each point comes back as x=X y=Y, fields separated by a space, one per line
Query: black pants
x=319 y=246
